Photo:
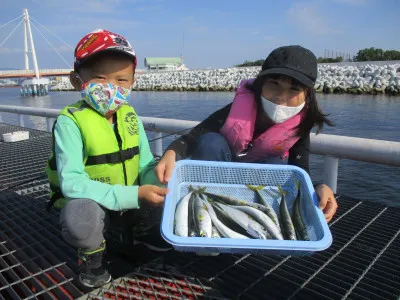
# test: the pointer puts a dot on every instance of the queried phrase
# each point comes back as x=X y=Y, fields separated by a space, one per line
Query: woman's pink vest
x=238 y=129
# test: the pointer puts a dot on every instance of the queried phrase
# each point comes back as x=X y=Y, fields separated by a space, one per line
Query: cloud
x=104 y=6
x=352 y=2
x=259 y=35
x=191 y=24
x=268 y=38
x=11 y=50
x=85 y=24
x=307 y=16
x=222 y=13
x=60 y=49
x=85 y=7
x=188 y=19
x=148 y=8
x=80 y=17
x=200 y=29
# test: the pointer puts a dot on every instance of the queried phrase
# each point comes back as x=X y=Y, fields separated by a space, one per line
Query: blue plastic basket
x=229 y=178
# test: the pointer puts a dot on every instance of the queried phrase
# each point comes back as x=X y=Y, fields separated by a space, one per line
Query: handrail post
x=21 y=120
x=158 y=148
x=49 y=122
x=1 y=117
x=331 y=165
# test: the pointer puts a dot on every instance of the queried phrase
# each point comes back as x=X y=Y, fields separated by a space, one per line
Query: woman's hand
x=327 y=201
x=165 y=167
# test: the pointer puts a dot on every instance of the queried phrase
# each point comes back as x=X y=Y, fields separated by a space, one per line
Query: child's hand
x=165 y=166
x=152 y=194
x=327 y=201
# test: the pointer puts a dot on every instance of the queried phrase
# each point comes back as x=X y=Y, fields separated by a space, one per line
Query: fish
x=273 y=230
x=224 y=217
x=202 y=219
x=233 y=201
x=298 y=222
x=182 y=217
x=222 y=229
x=215 y=233
x=254 y=228
x=287 y=227
x=270 y=212
x=191 y=224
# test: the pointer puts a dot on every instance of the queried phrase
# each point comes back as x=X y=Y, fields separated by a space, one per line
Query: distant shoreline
x=333 y=91
x=9 y=86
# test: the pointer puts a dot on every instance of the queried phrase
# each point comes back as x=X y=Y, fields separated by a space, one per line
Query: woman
x=269 y=121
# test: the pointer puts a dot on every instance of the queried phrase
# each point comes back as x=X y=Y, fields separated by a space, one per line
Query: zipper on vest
x=119 y=140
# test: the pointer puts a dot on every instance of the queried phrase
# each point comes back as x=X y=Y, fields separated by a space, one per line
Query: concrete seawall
x=356 y=78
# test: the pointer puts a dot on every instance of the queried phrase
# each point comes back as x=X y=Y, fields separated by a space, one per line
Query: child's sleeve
x=75 y=182
x=147 y=162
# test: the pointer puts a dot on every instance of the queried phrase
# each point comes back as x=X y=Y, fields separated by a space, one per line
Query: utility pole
x=183 y=46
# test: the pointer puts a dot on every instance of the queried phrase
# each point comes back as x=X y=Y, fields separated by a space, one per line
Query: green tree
x=330 y=60
x=248 y=63
x=391 y=55
x=376 y=54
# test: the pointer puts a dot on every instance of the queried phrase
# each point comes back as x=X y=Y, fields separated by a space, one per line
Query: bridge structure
x=34 y=84
x=29 y=50
x=31 y=73
x=42 y=73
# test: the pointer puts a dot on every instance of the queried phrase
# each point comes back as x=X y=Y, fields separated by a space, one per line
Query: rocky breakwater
x=196 y=80
x=358 y=79
x=363 y=79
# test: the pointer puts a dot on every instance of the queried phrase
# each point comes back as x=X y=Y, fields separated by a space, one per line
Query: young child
x=269 y=121
x=101 y=170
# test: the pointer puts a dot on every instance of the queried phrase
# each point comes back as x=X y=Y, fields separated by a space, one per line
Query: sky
x=209 y=34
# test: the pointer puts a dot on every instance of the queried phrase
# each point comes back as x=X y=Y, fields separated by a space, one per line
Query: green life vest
x=109 y=156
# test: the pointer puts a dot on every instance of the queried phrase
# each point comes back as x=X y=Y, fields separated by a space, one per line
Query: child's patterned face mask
x=105 y=98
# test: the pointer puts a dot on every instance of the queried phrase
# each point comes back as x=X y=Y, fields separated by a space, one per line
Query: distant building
x=8 y=82
x=164 y=63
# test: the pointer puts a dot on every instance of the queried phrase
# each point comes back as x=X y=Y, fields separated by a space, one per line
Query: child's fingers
x=160 y=191
x=157 y=199
x=160 y=169
x=168 y=173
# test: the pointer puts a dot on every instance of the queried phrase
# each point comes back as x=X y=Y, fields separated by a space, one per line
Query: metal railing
x=333 y=147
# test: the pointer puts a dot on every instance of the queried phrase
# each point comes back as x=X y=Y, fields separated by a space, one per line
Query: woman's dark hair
x=314 y=115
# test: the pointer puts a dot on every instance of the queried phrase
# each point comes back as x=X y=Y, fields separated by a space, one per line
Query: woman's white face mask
x=279 y=113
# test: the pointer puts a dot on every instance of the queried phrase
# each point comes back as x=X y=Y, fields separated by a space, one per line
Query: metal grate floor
x=33 y=258
x=148 y=283
x=362 y=263
x=33 y=133
x=23 y=161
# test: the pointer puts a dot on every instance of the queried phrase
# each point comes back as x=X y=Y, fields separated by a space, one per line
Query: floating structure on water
x=35 y=87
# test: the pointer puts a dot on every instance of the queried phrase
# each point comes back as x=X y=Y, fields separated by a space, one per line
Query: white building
x=164 y=64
